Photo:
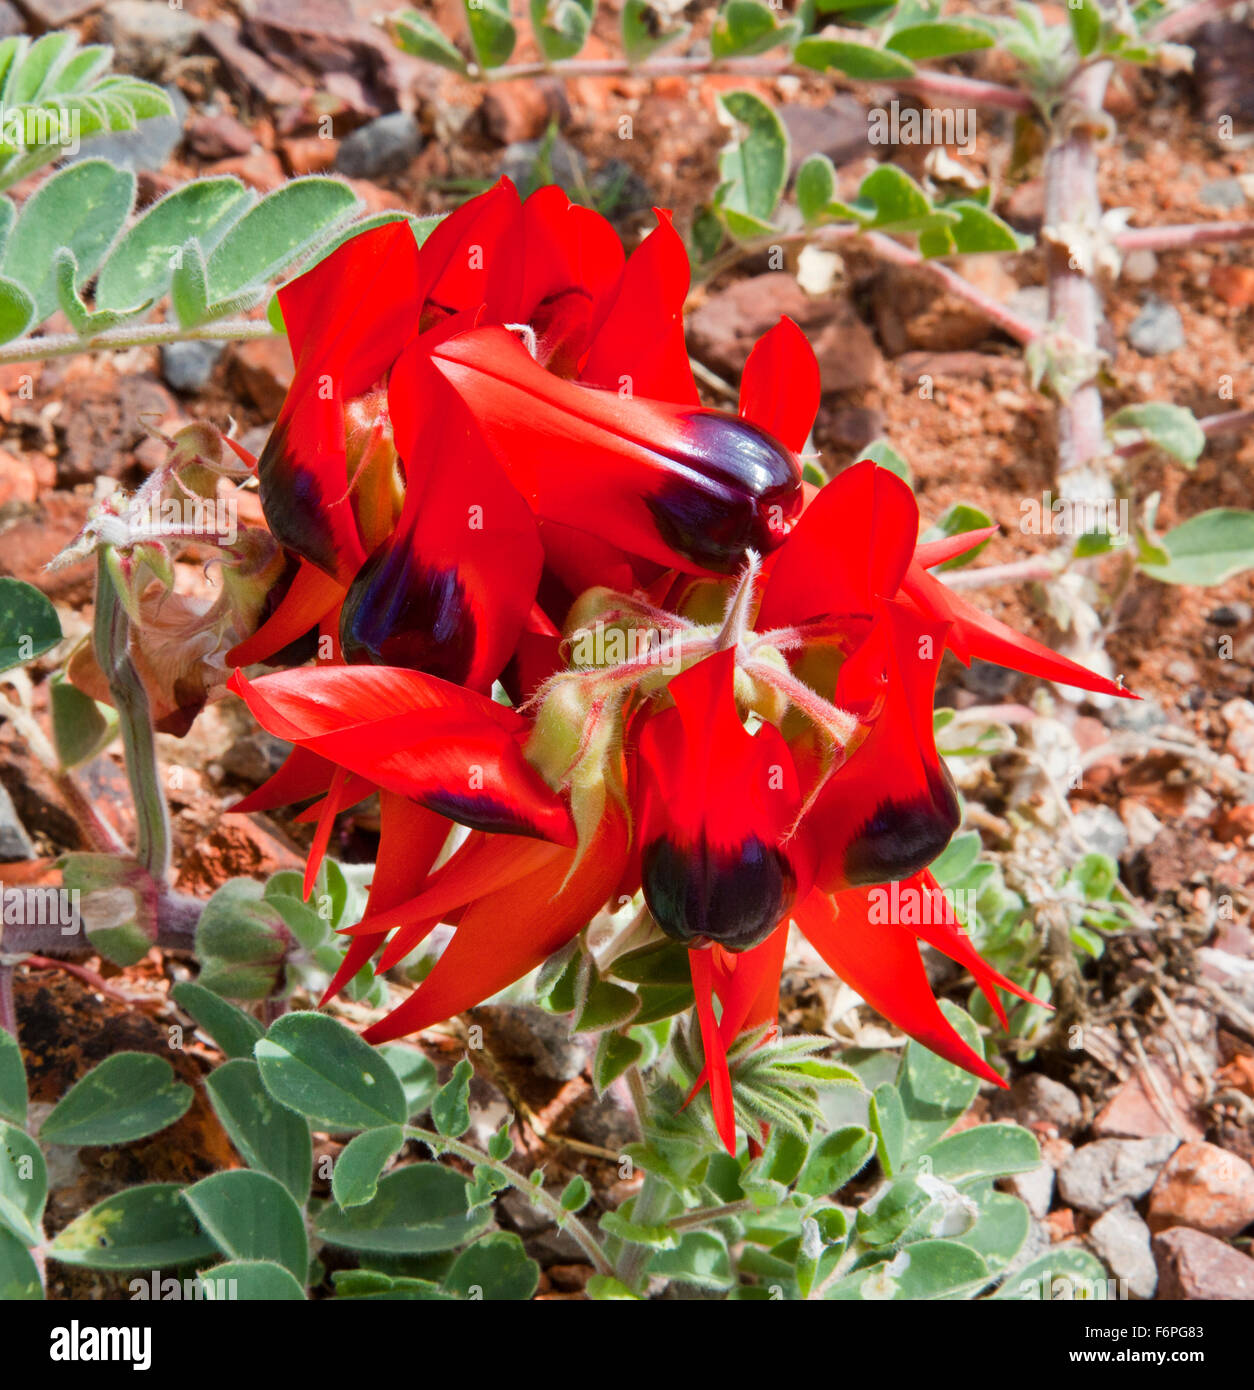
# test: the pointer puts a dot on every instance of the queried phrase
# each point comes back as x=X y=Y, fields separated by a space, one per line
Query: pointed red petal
x=779 y=388
x=716 y=1070
x=505 y=934
x=302 y=775
x=883 y=964
x=310 y=597
x=932 y=553
x=464 y=249
x=331 y=806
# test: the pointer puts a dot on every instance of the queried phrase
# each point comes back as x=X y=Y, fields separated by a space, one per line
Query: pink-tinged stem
x=1193 y=234
x=1188 y=18
x=1072 y=199
x=1017 y=572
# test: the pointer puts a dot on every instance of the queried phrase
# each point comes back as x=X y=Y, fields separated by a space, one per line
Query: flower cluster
x=609 y=630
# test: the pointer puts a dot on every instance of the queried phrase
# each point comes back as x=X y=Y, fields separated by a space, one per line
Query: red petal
x=716 y=1070
x=933 y=553
x=505 y=934
x=639 y=346
x=977 y=634
x=464 y=249
x=851 y=546
x=310 y=597
x=882 y=963
x=779 y=388
x=302 y=775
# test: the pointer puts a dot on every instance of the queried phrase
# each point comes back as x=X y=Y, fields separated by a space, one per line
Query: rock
x=1223 y=71
x=1098 y=1175
x=387 y=145
x=1140 y=265
x=11 y=21
x=1101 y=831
x=619 y=192
x=565 y=164
x=102 y=424
x=1035 y=1188
x=1121 y=1240
x=839 y=130
x=19 y=482
x=724 y=329
x=262 y=171
x=218 y=137
x=1060 y=1225
x=262 y=369
x=1234 y=284
x=514 y=111
x=1038 y=1100
x=188 y=366
x=608 y=1121
x=1025 y=207
x=1133 y=1112
x=256 y=757
x=1193 y=1266
x=533 y=1037
x=912 y=310
x=248 y=72
x=28 y=545
x=1222 y=193
x=854 y=427
x=309 y=155
x=1230 y=614
x=1238 y=715
x=148 y=146
x=15 y=843
x=544 y=1240
x=1142 y=824
x=1139 y=715
x=147 y=36
x=1157 y=329
x=55 y=14
x=1204 y=1187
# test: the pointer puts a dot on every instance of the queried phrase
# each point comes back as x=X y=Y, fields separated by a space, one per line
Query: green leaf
x=984 y=1151
x=926 y=1269
x=81 y=726
x=17 y=310
x=31 y=75
x=355 y=1176
x=320 y=1069
x=146 y=1227
x=19 y=1275
x=753 y=169
x=234 y=1031
x=576 y=1194
x=700 y=1260
x=1086 y=25
x=978 y=230
x=615 y=1053
x=1158 y=425
x=602 y=1288
x=665 y=963
x=273 y=233
x=1058 y=1274
x=251 y=1216
x=605 y=1005
x=999 y=1233
x=835 y=1159
x=450 y=1110
x=416 y=1072
x=141 y=266
x=415 y=33
x=1095 y=875
x=127 y=1097
x=1207 y=549
x=897 y=200
x=242 y=942
x=496 y=1268
x=895 y=1209
x=857 y=60
x=958 y=856
x=491 y=32
x=747 y=27
x=83 y=208
x=956 y=521
x=937 y=39
x=614 y=1223
x=362 y=1284
x=23 y=1185
x=255 y=1281
x=888 y=1121
x=935 y=1092
x=189 y=286
x=644 y=31
x=12 y=1080
x=883 y=453
x=29 y=625
x=561 y=27
x=419 y=1208
x=270 y=1137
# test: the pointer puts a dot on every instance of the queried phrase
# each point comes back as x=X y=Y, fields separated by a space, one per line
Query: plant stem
x=1072 y=201
x=704 y=1216
x=1183 y=20
x=1017 y=572
x=1188 y=234
x=547 y=1203
x=111 y=635
x=142 y=335
x=648 y=1209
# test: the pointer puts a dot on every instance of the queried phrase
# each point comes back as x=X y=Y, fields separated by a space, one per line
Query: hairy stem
x=140 y=335
x=1189 y=234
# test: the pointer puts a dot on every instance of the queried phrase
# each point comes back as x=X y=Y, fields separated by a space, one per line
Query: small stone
x=54 y=14
x=1142 y=824
x=1035 y=1188
x=188 y=366
x=534 y=1038
x=1234 y=614
x=514 y=111
x=1181 y=670
x=15 y=843
x=1234 y=284
x=1134 y=1111
x=1194 y=1266
x=1025 y=207
x=1238 y=715
x=256 y=757
x=1038 y=1100
x=839 y=130
x=1122 y=1241
x=1060 y=1225
x=520 y=161
x=607 y=1121
x=1140 y=265
x=19 y=482
x=262 y=369
x=218 y=137
x=1222 y=193
x=386 y=145
x=147 y=37
x=1099 y=1175
x=1101 y=831
x=1138 y=715
x=262 y=170
x=1204 y=1187
x=1157 y=329
x=308 y=155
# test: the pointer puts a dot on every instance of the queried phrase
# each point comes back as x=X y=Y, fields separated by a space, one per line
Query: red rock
x=247 y=70
x=19 y=482
x=310 y=154
x=1193 y=1266
x=1060 y=1225
x=262 y=171
x=1204 y=1187
x=1234 y=284
x=514 y=111
x=217 y=137
x=1135 y=1111
x=28 y=545
x=569 y=1278
x=262 y=370
x=236 y=846
x=1025 y=207
x=1235 y=824
x=912 y=310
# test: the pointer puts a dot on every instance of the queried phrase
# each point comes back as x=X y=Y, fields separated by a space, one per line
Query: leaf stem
x=141 y=335
x=1188 y=234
